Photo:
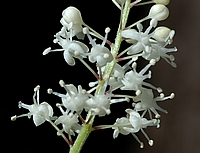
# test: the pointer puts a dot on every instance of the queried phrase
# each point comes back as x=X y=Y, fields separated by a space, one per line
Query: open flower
x=149 y=103
x=99 y=104
x=74 y=100
x=134 y=81
x=40 y=112
x=71 y=48
x=69 y=121
x=139 y=39
x=120 y=129
x=134 y=123
x=99 y=53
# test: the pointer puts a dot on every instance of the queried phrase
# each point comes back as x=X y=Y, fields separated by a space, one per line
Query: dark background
x=29 y=30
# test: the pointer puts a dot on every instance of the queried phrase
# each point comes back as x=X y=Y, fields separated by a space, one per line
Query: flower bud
x=72 y=14
x=164 y=2
x=161 y=33
x=159 y=12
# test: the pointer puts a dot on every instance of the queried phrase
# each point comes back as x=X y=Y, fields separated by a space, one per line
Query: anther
x=49 y=91
x=172 y=95
x=13 y=118
x=46 y=51
x=37 y=88
x=62 y=83
x=107 y=30
x=151 y=142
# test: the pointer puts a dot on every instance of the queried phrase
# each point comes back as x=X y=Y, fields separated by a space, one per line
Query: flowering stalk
x=149 y=45
x=87 y=128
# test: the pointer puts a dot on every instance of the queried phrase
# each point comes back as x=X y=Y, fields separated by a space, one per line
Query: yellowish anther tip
x=13 y=118
x=157 y=116
x=108 y=111
x=62 y=83
x=141 y=145
x=162 y=95
x=151 y=142
x=138 y=92
x=152 y=62
x=85 y=30
x=49 y=91
x=172 y=95
x=37 y=88
x=58 y=104
x=107 y=30
x=46 y=51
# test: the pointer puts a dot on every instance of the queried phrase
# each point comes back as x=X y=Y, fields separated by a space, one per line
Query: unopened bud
x=159 y=12
x=72 y=14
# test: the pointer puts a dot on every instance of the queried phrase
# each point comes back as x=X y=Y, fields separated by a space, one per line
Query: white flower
x=69 y=122
x=118 y=128
x=99 y=104
x=70 y=47
x=158 y=52
x=151 y=46
x=134 y=80
x=74 y=100
x=138 y=123
x=133 y=124
x=149 y=103
x=99 y=53
x=139 y=39
x=40 y=112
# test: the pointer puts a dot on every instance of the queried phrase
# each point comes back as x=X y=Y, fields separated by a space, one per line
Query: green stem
x=87 y=128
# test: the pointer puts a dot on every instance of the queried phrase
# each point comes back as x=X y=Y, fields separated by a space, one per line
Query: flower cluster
x=150 y=45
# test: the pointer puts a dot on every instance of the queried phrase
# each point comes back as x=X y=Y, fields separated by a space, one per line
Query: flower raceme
x=149 y=44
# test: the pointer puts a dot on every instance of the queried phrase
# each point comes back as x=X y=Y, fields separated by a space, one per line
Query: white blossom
x=69 y=122
x=134 y=80
x=74 y=100
x=120 y=129
x=139 y=39
x=153 y=45
x=99 y=104
x=70 y=47
x=134 y=123
x=147 y=102
x=40 y=112
x=99 y=53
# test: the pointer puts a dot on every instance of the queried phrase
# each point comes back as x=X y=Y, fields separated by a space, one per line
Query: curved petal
x=38 y=119
x=68 y=58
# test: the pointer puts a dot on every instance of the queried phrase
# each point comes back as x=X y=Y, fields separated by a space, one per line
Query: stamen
x=138 y=140
x=92 y=84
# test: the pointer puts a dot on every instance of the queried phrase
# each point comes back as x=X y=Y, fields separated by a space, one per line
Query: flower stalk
x=87 y=128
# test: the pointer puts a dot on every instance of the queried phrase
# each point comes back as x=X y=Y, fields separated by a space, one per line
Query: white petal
x=68 y=58
x=38 y=119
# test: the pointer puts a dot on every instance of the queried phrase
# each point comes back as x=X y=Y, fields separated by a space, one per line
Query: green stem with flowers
x=87 y=126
